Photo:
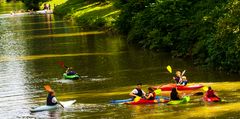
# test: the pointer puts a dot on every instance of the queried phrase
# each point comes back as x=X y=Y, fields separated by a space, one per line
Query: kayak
x=73 y=77
x=169 y=87
x=145 y=101
x=184 y=100
x=130 y=99
x=121 y=101
x=47 y=108
x=211 y=99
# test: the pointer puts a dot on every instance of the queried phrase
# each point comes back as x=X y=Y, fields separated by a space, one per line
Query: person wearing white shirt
x=137 y=91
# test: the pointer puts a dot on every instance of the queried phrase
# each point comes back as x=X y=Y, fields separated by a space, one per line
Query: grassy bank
x=89 y=15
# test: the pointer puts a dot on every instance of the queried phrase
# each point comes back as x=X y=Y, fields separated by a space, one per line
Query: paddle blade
x=48 y=88
x=169 y=68
x=136 y=99
x=183 y=72
x=158 y=91
x=62 y=64
x=205 y=88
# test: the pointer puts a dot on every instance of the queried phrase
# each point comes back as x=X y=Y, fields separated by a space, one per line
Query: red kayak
x=211 y=99
x=169 y=87
x=145 y=101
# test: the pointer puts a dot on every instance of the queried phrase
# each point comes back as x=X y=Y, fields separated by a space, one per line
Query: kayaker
x=70 y=71
x=184 y=80
x=151 y=94
x=210 y=93
x=137 y=91
x=174 y=94
x=178 y=77
x=51 y=99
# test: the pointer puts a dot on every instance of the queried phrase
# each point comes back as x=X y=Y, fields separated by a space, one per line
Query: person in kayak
x=52 y=100
x=184 y=81
x=70 y=71
x=174 y=94
x=137 y=91
x=178 y=77
x=151 y=94
x=210 y=93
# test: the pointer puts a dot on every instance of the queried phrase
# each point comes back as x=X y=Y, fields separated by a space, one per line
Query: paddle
x=158 y=91
x=62 y=65
x=49 y=89
x=136 y=99
x=169 y=68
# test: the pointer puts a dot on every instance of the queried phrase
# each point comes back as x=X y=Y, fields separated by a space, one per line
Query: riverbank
x=89 y=15
x=195 y=30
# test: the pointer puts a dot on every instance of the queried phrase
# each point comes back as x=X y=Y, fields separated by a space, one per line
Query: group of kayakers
x=179 y=79
x=138 y=92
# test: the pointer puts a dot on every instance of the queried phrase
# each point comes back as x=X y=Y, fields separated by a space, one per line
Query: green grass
x=53 y=3
x=94 y=15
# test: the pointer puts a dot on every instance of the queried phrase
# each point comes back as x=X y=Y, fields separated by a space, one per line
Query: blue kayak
x=121 y=101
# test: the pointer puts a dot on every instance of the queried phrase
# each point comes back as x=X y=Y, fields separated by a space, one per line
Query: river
x=32 y=46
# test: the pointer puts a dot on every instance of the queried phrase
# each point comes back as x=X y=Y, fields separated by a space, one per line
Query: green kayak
x=73 y=77
x=184 y=100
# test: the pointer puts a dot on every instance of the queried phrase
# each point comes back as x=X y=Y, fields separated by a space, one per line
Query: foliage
x=224 y=47
x=207 y=31
x=33 y=4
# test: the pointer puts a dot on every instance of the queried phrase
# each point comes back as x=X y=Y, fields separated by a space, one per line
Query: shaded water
x=32 y=45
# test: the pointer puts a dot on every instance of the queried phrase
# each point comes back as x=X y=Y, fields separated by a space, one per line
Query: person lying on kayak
x=151 y=94
x=184 y=81
x=210 y=93
x=51 y=99
x=174 y=94
x=137 y=91
x=178 y=77
x=70 y=71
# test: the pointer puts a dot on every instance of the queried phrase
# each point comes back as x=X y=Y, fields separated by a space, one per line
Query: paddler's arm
x=132 y=94
x=67 y=70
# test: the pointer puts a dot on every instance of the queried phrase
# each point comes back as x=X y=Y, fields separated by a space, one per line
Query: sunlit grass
x=89 y=15
x=54 y=3
x=90 y=9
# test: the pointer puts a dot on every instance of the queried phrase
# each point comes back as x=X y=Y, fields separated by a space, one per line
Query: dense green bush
x=206 y=30
x=33 y=4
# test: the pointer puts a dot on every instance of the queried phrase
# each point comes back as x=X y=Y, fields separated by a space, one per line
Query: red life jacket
x=153 y=97
x=210 y=93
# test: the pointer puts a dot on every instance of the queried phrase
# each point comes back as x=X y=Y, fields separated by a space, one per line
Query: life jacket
x=49 y=100
x=140 y=93
x=177 y=79
x=210 y=93
x=153 y=97
x=71 y=73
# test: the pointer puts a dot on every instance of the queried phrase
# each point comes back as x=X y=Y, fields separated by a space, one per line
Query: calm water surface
x=31 y=47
